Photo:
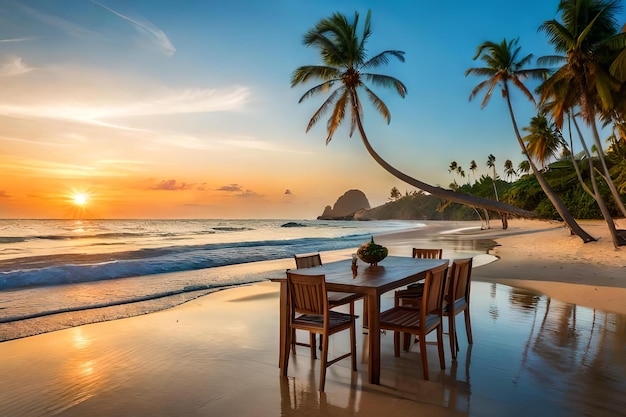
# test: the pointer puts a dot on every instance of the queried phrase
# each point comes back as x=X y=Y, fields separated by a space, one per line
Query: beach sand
x=218 y=355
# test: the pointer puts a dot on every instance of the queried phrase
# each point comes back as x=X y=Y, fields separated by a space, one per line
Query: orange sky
x=161 y=111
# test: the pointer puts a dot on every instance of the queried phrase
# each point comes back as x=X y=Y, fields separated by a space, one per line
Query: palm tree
x=491 y=163
x=544 y=141
x=523 y=167
x=589 y=37
x=473 y=168
x=346 y=65
x=502 y=67
x=509 y=171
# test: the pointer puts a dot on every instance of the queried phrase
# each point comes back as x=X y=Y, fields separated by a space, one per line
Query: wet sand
x=549 y=339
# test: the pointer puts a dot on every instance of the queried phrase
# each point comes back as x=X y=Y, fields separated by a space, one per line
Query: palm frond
x=520 y=85
x=304 y=73
x=387 y=82
x=379 y=104
x=356 y=111
x=558 y=35
x=551 y=60
x=339 y=112
x=323 y=109
x=383 y=58
x=321 y=88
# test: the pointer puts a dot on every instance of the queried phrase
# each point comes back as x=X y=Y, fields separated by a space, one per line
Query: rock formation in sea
x=345 y=206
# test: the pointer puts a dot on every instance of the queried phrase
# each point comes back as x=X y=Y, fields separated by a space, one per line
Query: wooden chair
x=420 y=321
x=427 y=253
x=335 y=299
x=412 y=294
x=310 y=311
x=457 y=300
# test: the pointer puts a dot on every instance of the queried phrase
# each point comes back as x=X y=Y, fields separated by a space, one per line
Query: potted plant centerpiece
x=372 y=253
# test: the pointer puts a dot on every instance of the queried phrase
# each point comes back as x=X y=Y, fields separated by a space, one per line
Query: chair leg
x=286 y=350
x=407 y=341
x=365 y=314
x=396 y=344
x=323 y=363
x=442 y=359
x=423 y=355
x=452 y=333
x=312 y=343
x=353 y=344
x=468 y=326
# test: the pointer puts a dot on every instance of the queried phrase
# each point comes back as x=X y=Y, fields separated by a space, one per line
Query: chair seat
x=458 y=305
x=406 y=319
x=336 y=320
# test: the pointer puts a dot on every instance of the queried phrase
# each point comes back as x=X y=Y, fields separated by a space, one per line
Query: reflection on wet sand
x=548 y=356
x=532 y=355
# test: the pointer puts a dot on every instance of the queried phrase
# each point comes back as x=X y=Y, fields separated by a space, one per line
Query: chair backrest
x=307 y=294
x=427 y=253
x=308 y=261
x=460 y=279
x=434 y=285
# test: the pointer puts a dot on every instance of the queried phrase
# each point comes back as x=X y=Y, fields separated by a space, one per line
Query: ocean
x=61 y=273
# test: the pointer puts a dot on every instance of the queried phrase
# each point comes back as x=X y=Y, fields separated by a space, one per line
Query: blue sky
x=184 y=108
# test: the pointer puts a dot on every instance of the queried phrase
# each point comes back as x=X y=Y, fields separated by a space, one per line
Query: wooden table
x=393 y=272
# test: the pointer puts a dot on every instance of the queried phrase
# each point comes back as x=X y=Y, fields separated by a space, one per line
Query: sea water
x=60 y=273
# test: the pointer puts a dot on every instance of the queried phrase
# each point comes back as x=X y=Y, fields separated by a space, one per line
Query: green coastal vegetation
x=515 y=186
x=582 y=84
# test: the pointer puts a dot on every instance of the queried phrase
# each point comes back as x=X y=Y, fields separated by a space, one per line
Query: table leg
x=373 y=306
x=283 y=322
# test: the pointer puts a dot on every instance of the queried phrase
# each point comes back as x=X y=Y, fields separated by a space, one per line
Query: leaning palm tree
x=347 y=66
x=589 y=37
x=503 y=67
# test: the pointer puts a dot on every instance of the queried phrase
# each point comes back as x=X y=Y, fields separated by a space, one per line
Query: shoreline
x=591 y=274
x=217 y=354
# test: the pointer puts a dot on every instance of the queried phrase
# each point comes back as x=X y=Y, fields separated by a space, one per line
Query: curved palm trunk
x=467 y=199
x=618 y=240
x=609 y=181
x=554 y=199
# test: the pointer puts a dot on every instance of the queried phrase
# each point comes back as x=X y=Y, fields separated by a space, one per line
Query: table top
x=392 y=272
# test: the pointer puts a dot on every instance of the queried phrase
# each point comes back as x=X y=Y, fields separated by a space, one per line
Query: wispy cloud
x=239 y=192
x=177 y=102
x=8 y=40
x=256 y=144
x=157 y=36
x=230 y=188
x=14 y=66
x=171 y=185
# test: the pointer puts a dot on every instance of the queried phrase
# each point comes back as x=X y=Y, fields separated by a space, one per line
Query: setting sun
x=80 y=199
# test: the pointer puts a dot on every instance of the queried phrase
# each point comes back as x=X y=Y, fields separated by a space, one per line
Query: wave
x=76 y=268
x=131 y=300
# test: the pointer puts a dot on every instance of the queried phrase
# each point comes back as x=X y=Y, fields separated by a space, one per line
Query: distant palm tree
x=473 y=168
x=491 y=163
x=347 y=66
x=503 y=67
x=509 y=171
